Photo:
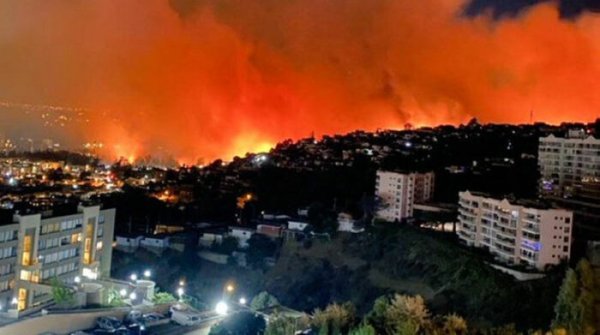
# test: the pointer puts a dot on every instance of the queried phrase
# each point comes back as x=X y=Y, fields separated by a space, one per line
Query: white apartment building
x=570 y=166
x=35 y=248
x=516 y=232
x=398 y=192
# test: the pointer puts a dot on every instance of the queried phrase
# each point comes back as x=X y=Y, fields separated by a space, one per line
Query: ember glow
x=208 y=79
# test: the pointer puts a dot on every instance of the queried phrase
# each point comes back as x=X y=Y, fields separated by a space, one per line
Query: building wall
x=569 y=165
x=397 y=193
x=51 y=247
x=514 y=233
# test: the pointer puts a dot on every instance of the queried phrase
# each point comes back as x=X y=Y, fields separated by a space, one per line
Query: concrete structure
x=243 y=234
x=346 y=223
x=297 y=225
x=570 y=175
x=272 y=230
x=36 y=248
x=516 y=232
x=398 y=192
x=128 y=241
x=209 y=238
x=159 y=241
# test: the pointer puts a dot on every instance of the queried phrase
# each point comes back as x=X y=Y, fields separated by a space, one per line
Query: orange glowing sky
x=234 y=76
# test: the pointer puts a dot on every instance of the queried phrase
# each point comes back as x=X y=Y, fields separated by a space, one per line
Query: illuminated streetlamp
x=133 y=277
x=180 y=292
x=77 y=280
x=133 y=296
x=243 y=301
x=147 y=273
x=123 y=292
x=229 y=288
x=221 y=308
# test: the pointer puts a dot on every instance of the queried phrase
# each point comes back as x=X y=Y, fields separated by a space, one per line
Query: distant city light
x=147 y=273
x=243 y=301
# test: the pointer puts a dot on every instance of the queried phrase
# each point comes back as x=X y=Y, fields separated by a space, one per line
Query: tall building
x=398 y=192
x=516 y=232
x=570 y=176
x=35 y=248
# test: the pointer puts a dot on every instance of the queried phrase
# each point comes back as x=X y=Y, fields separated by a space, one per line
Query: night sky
x=218 y=78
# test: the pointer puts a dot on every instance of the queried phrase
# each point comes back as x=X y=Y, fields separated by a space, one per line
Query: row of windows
x=9 y=235
x=57 y=271
x=4 y=286
x=59 y=256
x=61 y=226
x=8 y=252
x=6 y=269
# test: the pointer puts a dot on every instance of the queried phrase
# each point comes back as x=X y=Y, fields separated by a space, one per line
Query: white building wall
x=565 y=161
x=397 y=193
x=515 y=233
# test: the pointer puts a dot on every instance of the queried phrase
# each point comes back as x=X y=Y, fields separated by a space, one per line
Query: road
x=174 y=329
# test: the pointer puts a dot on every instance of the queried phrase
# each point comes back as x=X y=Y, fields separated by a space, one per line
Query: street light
x=181 y=282
x=123 y=292
x=230 y=288
x=243 y=301
x=180 y=292
x=147 y=273
x=221 y=308
x=77 y=280
x=133 y=296
x=133 y=277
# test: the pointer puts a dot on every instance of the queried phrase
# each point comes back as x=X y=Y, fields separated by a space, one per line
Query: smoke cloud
x=208 y=79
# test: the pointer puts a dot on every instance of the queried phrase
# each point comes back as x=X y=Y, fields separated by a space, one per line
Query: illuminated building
x=398 y=192
x=35 y=248
x=570 y=176
x=515 y=232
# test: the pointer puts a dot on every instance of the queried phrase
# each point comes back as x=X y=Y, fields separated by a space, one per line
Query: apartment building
x=398 y=192
x=570 y=176
x=516 y=232
x=35 y=248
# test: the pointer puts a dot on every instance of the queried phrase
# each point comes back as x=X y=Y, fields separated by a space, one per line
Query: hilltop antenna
x=531 y=116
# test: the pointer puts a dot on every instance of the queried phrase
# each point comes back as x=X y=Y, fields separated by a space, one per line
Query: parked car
x=185 y=318
x=108 y=323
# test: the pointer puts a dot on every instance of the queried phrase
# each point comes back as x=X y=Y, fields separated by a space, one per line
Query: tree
x=337 y=319
x=241 y=323
x=263 y=300
x=363 y=329
x=63 y=296
x=163 y=298
x=587 y=296
x=259 y=247
x=227 y=246
x=567 y=309
x=114 y=298
x=283 y=325
x=454 y=325
x=406 y=314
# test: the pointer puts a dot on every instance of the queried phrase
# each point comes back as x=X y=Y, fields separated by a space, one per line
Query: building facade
x=570 y=176
x=36 y=248
x=517 y=233
x=398 y=192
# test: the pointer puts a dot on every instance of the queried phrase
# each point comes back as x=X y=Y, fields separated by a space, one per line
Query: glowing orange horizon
x=239 y=76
